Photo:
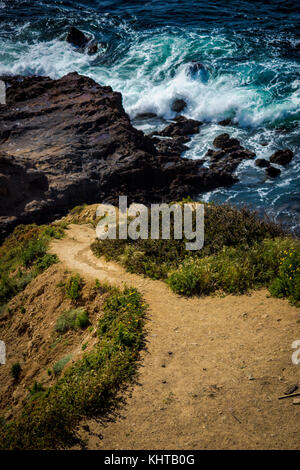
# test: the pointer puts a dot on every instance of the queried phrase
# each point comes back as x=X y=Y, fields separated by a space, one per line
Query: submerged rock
x=226 y=122
x=282 y=157
x=69 y=141
x=81 y=41
x=262 y=163
x=229 y=155
x=223 y=141
x=145 y=116
x=272 y=171
x=198 y=70
x=178 y=105
x=196 y=66
x=76 y=37
x=92 y=48
x=181 y=127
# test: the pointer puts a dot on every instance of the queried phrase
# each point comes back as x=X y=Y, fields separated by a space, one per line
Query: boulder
x=171 y=147
x=226 y=122
x=76 y=37
x=217 y=155
x=223 y=141
x=181 y=126
x=209 y=153
x=198 y=70
x=262 y=163
x=178 y=105
x=242 y=153
x=282 y=157
x=272 y=171
x=92 y=48
x=229 y=155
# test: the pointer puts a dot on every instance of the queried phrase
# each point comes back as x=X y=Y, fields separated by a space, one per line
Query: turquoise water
x=251 y=53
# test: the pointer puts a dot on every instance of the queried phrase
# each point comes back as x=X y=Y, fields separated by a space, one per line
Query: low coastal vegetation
x=73 y=319
x=23 y=256
x=87 y=387
x=73 y=287
x=241 y=252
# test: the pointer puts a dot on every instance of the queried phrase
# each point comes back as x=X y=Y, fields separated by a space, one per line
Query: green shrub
x=36 y=389
x=56 y=342
x=7 y=288
x=104 y=287
x=73 y=287
x=3 y=309
x=59 y=365
x=23 y=255
x=193 y=277
x=16 y=370
x=82 y=320
x=73 y=319
x=235 y=270
x=34 y=250
x=22 y=281
x=43 y=263
x=55 y=231
x=77 y=209
x=287 y=284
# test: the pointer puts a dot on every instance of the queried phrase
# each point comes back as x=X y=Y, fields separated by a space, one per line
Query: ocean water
x=251 y=54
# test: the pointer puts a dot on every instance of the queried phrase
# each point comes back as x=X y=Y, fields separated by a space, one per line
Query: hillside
x=209 y=375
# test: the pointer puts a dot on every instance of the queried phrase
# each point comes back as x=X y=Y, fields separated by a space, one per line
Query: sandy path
x=213 y=368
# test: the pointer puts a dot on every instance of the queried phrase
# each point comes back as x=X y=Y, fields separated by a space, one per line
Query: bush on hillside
x=72 y=320
x=241 y=251
x=287 y=283
x=73 y=287
x=236 y=270
x=23 y=255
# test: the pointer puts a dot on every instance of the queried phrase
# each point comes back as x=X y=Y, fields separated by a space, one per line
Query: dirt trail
x=213 y=368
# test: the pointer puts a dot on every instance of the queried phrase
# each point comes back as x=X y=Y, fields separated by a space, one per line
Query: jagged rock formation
x=69 y=141
x=83 y=43
x=229 y=155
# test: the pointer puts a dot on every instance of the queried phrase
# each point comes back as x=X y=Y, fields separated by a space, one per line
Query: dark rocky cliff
x=69 y=141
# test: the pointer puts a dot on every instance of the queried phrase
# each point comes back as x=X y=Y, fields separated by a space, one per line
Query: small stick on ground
x=237 y=419
x=289 y=396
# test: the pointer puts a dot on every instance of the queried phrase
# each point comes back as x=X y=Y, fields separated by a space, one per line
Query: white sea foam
x=54 y=59
x=154 y=72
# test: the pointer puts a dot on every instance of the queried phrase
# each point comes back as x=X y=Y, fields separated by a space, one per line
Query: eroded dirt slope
x=28 y=329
